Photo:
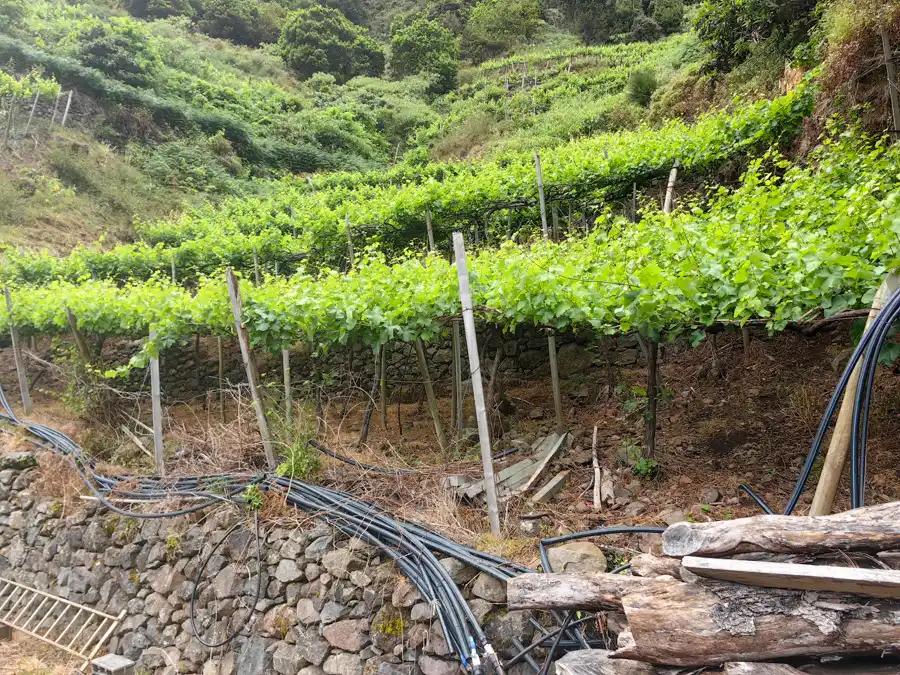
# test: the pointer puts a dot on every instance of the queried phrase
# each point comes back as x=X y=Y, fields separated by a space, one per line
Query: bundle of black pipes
x=413 y=548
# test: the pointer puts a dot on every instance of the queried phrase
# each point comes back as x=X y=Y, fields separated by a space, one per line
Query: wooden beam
x=237 y=308
x=550 y=489
x=156 y=408
x=560 y=442
x=429 y=394
x=484 y=434
x=876 y=583
x=839 y=446
x=24 y=393
x=429 y=229
x=873 y=528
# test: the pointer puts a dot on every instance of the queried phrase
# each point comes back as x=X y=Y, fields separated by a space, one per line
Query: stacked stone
x=329 y=605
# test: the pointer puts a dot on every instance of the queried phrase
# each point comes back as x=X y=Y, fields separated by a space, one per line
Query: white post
x=156 y=405
x=66 y=113
x=37 y=96
x=670 y=188
x=234 y=293
x=17 y=356
x=55 y=110
x=554 y=381
x=540 y=181
x=349 y=240
x=484 y=435
x=430 y=231
x=288 y=401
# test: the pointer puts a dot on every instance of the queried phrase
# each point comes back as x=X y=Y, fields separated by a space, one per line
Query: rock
x=287 y=659
x=530 y=528
x=422 y=612
x=635 y=509
x=287 y=571
x=598 y=661
x=685 y=480
x=577 y=556
x=536 y=414
x=312 y=648
x=458 y=571
x=343 y=664
x=480 y=608
x=306 y=612
x=672 y=516
x=317 y=549
x=311 y=670
x=341 y=562
x=360 y=579
x=573 y=358
x=165 y=579
x=349 y=635
x=228 y=583
x=18 y=461
x=504 y=627
x=253 y=658
x=388 y=668
x=710 y=496
x=433 y=666
x=488 y=588
x=332 y=611
x=405 y=594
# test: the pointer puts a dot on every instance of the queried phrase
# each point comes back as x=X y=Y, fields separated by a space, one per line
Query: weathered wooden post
x=892 y=78
x=554 y=381
x=349 y=241
x=24 y=393
x=484 y=434
x=156 y=409
x=429 y=229
x=37 y=97
x=80 y=342
x=540 y=182
x=66 y=112
x=670 y=188
x=429 y=394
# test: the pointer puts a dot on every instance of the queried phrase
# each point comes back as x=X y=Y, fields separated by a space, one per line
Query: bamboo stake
x=234 y=293
x=429 y=394
x=484 y=436
x=156 y=404
x=37 y=96
x=540 y=181
x=66 y=113
x=288 y=402
x=80 y=342
x=174 y=274
x=839 y=446
x=17 y=356
x=892 y=78
x=670 y=188
x=457 y=413
x=221 y=380
x=349 y=241
x=55 y=110
x=430 y=231
x=554 y=379
x=382 y=385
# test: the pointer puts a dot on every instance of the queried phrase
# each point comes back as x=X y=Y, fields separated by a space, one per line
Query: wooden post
x=634 y=202
x=55 y=110
x=429 y=394
x=555 y=214
x=597 y=479
x=234 y=293
x=430 y=231
x=349 y=241
x=17 y=356
x=840 y=437
x=174 y=274
x=66 y=112
x=370 y=403
x=670 y=188
x=221 y=376
x=256 y=277
x=484 y=436
x=892 y=78
x=540 y=181
x=554 y=380
x=37 y=96
x=156 y=407
x=652 y=389
x=293 y=223
x=311 y=186
x=288 y=402
x=382 y=385
x=9 y=119
x=457 y=380
x=80 y=342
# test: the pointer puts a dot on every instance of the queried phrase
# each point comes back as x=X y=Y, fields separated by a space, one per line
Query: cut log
x=746 y=668
x=876 y=583
x=648 y=565
x=597 y=662
x=713 y=622
x=873 y=528
x=570 y=590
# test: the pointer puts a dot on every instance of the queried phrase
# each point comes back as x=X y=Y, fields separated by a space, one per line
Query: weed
x=173 y=546
x=253 y=497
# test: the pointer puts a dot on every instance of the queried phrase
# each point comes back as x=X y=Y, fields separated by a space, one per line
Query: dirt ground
x=25 y=656
x=724 y=420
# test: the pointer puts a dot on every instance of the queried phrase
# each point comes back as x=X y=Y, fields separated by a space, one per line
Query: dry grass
x=25 y=656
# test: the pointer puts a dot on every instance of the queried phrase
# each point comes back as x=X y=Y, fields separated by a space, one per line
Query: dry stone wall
x=329 y=605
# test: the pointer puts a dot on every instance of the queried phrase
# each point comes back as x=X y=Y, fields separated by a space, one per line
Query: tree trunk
x=870 y=528
x=569 y=590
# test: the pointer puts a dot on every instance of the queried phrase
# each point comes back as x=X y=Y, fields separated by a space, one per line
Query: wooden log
x=712 y=622
x=607 y=488
x=649 y=565
x=875 y=583
x=234 y=293
x=571 y=590
x=598 y=662
x=24 y=392
x=872 y=528
x=839 y=446
x=670 y=188
x=747 y=668
x=429 y=394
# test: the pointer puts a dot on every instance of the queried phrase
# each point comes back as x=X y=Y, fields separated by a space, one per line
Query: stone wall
x=329 y=605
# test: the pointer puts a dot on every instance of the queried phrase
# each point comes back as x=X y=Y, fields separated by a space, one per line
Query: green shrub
x=120 y=47
x=12 y=12
x=641 y=85
x=322 y=40
x=644 y=29
x=669 y=14
x=425 y=46
x=230 y=20
x=195 y=164
x=496 y=25
x=159 y=9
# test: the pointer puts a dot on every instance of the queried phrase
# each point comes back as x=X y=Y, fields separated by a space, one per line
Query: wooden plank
x=561 y=442
x=472 y=489
x=550 y=489
x=871 y=528
x=515 y=474
x=875 y=583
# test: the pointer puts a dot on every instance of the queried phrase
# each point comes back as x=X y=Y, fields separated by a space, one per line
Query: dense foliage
x=425 y=46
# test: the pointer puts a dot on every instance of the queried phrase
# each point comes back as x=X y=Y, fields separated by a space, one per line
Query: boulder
x=343 y=664
x=488 y=588
x=288 y=571
x=287 y=659
x=433 y=666
x=577 y=556
x=348 y=635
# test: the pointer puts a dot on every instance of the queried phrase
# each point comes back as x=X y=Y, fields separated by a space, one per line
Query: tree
x=496 y=25
x=644 y=29
x=159 y=9
x=120 y=47
x=322 y=40
x=425 y=46
x=12 y=12
x=669 y=14
x=233 y=20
